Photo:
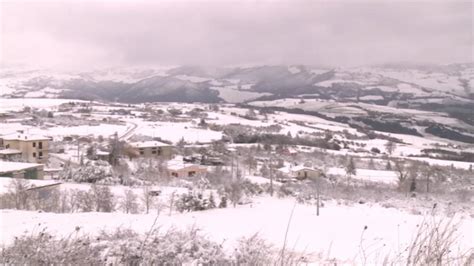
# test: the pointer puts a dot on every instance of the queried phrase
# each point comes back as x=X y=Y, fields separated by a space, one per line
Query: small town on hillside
x=236 y=133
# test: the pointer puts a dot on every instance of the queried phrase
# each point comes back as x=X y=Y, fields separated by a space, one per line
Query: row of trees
x=22 y=195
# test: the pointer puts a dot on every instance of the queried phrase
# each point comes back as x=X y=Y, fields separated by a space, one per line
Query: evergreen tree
x=116 y=150
x=223 y=203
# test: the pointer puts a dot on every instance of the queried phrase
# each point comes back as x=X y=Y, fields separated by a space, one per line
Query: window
x=34 y=154
x=153 y=152
x=40 y=154
x=7 y=146
x=34 y=144
x=191 y=173
x=40 y=144
x=142 y=151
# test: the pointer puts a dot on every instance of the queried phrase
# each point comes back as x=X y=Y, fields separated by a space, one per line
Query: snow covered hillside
x=238 y=84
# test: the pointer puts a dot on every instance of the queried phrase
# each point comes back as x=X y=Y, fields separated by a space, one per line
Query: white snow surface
x=232 y=94
x=16 y=104
x=379 y=176
x=337 y=233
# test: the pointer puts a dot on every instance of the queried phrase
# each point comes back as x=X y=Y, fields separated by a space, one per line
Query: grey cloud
x=95 y=33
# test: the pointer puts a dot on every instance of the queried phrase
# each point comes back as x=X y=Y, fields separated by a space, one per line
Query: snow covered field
x=20 y=103
x=337 y=233
x=232 y=95
x=379 y=176
x=174 y=132
x=58 y=132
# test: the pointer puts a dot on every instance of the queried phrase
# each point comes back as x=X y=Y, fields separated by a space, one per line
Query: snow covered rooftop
x=290 y=168
x=147 y=144
x=103 y=153
x=26 y=137
x=301 y=167
x=9 y=151
x=16 y=166
x=178 y=164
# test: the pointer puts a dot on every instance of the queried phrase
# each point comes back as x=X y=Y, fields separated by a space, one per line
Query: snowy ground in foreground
x=336 y=233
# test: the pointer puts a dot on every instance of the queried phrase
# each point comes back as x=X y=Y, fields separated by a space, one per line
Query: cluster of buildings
x=25 y=155
x=177 y=167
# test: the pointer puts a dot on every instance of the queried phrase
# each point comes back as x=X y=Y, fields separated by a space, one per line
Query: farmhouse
x=178 y=168
x=299 y=172
x=33 y=148
x=153 y=149
x=21 y=170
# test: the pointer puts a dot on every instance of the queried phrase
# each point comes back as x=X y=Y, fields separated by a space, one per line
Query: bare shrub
x=170 y=248
x=45 y=249
x=464 y=195
x=82 y=201
x=45 y=199
x=253 y=250
x=433 y=242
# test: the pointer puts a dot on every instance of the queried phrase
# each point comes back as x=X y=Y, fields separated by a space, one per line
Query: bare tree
x=250 y=161
x=390 y=146
x=130 y=152
x=317 y=187
x=18 y=189
x=171 y=202
x=147 y=198
x=103 y=198
x=234 y=191
x=407 y=175
x=83 y=201
x=350 y=168
x=129 y=202
x=371 y=164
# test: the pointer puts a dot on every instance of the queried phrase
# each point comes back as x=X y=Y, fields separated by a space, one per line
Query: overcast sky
x=89 y=34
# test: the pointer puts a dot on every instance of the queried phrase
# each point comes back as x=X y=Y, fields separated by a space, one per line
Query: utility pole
x=271 y=176
x=317 y=195
x=232 y=167
x=237 y=166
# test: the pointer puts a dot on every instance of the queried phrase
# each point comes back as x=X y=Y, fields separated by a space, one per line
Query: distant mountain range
x=382 y=85
x=399 y=99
